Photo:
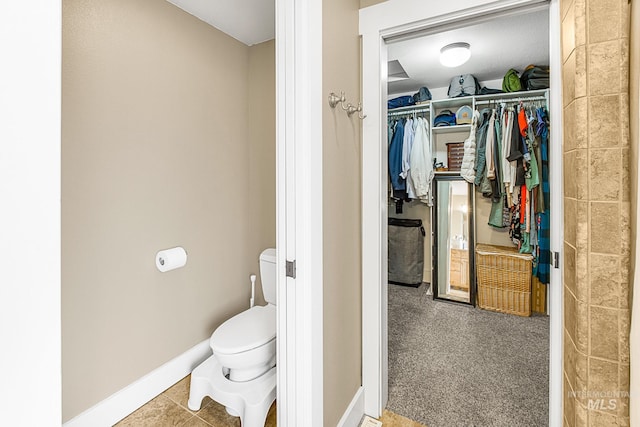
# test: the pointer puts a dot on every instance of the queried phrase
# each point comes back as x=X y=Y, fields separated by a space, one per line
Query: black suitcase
x=406 y=251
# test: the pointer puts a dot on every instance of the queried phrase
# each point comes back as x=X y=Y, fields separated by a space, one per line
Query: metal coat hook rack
x=351 y=109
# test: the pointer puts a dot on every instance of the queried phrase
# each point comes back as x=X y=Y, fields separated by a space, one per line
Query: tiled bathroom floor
x=169 y=409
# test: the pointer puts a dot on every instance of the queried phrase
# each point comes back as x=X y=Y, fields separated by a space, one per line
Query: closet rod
x=511 y=100
x=408 y=112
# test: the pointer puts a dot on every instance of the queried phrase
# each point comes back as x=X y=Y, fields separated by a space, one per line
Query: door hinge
x=291 y=269
x=556 y=259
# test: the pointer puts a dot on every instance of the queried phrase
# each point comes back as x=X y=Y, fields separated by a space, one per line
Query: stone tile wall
x=595 y=52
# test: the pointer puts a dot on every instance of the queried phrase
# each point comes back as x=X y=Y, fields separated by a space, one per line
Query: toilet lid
x=245 y=331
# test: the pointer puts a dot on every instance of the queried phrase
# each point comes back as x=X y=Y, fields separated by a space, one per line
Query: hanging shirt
x=507 y=126
x=407 y=143
x=481 y=149
x=489 y=147
x=421 y=167
x=395 y=158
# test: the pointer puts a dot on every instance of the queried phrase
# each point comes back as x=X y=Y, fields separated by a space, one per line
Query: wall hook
x=335 y=99
x=351 y=109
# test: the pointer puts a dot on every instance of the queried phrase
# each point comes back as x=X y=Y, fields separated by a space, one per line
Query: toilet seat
x=245 y=331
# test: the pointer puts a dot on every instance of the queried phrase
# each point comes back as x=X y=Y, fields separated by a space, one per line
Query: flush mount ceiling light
x=455 y=54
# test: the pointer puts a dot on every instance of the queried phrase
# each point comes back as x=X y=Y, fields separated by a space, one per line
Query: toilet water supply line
x=253 y=289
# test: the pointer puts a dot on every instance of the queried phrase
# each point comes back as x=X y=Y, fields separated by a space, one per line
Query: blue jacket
x=395 y=157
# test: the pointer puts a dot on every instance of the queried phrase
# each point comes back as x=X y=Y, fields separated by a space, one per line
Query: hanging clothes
x=489 y=147
x=496 y=184
x=467 y=169
x=507 y=126
x=532 y=175
x=391 y=127
x=498 y=205
x=481 y=152
x=544 y=241
x=481 y=180
x=421 y=167
x=395 y=161
x=515 y=231
x=409 y=133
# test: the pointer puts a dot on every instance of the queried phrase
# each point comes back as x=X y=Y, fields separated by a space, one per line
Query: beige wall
x=597 y=209
x=634 y=98
x=341 y=210
x=261 y=123
x=158 y=150
x=367 y=3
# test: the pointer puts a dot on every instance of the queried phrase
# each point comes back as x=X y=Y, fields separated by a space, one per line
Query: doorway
x=380 y=25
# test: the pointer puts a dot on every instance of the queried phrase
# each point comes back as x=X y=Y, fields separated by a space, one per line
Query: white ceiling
x=249 y=21
x=496 y=45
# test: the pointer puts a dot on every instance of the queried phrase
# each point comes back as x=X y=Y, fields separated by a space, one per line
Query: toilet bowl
x=241 y=373
x=246 y=344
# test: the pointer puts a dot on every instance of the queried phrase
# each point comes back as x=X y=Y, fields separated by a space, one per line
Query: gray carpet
x=454 y=365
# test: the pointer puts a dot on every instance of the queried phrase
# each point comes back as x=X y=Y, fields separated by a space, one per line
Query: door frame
x=30 y=301
x=299 y=212
x=395 y=18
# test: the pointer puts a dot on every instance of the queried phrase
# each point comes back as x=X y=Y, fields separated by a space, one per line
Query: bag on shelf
x=511 y=81
x=401 y=101
x=489 y=91
x=535 y=77
x=463 y=85
x=422 y=95
x=445 y=118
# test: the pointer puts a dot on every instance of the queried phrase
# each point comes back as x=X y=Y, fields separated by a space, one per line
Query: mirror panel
x=453 y=239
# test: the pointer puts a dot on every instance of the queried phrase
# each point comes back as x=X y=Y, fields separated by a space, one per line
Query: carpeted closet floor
x=454 y=365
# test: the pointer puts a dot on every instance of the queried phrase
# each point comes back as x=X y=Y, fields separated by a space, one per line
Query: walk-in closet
x=469 y=223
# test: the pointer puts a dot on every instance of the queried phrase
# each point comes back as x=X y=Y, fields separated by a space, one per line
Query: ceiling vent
x=395 y=71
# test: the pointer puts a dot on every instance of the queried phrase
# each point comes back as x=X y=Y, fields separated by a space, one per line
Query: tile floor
x=169 y=409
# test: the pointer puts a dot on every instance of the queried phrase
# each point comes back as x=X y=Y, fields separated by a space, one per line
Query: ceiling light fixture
x=455 y=54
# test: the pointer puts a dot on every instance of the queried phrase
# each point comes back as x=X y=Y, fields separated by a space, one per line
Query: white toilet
x=241 y=373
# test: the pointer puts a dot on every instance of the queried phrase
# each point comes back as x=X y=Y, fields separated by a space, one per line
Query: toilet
x=241 y=373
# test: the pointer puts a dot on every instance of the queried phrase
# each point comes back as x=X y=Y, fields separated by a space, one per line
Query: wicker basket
x=504 y=279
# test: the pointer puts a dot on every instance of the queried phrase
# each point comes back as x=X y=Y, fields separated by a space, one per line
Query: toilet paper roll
x=170 y=259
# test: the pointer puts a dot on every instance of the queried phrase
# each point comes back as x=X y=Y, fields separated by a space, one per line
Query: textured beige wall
x=596 y=161
x=158 y=150
x=634 y=134
x=261 y=124
x=341 y=211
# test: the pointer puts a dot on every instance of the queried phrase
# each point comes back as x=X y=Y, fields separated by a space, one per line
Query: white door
x=299 y=212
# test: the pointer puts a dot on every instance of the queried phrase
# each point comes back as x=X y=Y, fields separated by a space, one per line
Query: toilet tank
x=268 y=274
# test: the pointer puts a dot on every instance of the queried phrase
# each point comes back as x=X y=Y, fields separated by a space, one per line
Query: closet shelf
x=452 y=103
x=451 y=129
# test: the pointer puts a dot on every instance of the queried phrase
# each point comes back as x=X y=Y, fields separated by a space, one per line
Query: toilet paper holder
x=170 y=259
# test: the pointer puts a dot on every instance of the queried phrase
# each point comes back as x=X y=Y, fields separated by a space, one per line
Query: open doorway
x=393 y=32
x=451 y=364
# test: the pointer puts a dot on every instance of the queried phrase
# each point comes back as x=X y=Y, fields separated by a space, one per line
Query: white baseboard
x=124 y=402
x=354 y=412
